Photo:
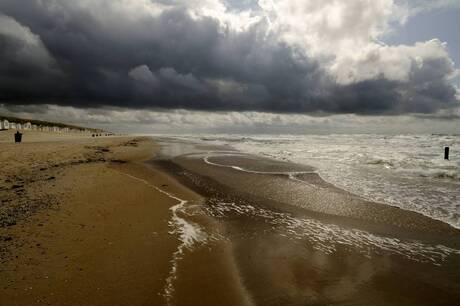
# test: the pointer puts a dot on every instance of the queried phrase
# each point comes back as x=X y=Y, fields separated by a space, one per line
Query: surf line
x=291 y=175
x=189 y=234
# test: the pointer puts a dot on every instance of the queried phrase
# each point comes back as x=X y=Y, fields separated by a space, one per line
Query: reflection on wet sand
x=297 y=240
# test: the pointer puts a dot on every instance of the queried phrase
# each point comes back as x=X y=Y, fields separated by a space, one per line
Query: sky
x=234 y=66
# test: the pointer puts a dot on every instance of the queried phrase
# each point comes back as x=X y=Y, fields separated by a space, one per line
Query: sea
x=407 y=171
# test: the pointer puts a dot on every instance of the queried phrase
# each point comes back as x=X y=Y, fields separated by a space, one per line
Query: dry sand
x=83 y=223
x=92 y=221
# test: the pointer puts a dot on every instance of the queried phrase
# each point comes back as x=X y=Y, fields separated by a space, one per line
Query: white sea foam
x=291 y=174
x=407 y=171
x=328 y=237
x=189 y=234
x=288 y=173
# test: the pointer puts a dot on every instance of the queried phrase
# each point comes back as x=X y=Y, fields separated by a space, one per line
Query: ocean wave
x=385 y=163
x=405 y=170
x=448 y=175
x=424 y=169
x=440 y=174
x=329 y=237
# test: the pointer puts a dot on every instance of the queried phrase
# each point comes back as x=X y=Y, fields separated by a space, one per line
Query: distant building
x=4 y=125
x=18 y=126
x=27 y=126
x=56 y=129
x=12 y=125
x=34 y=127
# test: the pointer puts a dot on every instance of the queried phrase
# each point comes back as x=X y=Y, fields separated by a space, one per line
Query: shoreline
x=130 y=224
x=108 y=237
x=324 y=199
x=293 y=254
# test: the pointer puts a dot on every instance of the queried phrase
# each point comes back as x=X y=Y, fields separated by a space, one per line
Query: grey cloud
x=24 y=60
x=143 y=74
x=21 y=48
x=173 y=60
x=185 y=80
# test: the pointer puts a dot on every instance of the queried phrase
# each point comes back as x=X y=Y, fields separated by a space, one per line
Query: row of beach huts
x=7 y=125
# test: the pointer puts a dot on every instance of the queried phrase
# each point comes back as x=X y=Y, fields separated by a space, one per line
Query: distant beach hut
x=34 y=127
x=56 y=129
x=18 y=126
x=12 y=125
x=27 y=126
x=5 y=125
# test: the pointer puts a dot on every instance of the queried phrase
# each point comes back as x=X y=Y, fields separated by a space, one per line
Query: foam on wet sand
x=208 y=225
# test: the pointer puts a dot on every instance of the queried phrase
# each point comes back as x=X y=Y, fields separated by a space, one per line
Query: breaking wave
x=407 y=171
x=329 y=237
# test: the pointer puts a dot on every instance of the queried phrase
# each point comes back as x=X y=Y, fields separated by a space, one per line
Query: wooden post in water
x=446 y=153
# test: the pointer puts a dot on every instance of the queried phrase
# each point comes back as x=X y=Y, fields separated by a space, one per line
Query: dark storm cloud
x=172 y=60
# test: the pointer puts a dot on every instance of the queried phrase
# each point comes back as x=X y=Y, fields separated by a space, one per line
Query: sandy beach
x=133 y=221
x=230 y=153
x=83 y=224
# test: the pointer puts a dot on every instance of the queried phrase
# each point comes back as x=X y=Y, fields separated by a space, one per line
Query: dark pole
x=446 y=153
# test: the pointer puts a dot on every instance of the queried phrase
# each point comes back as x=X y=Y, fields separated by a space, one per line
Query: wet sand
x=125 y=221
x=86 y=222
x=298 y=240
